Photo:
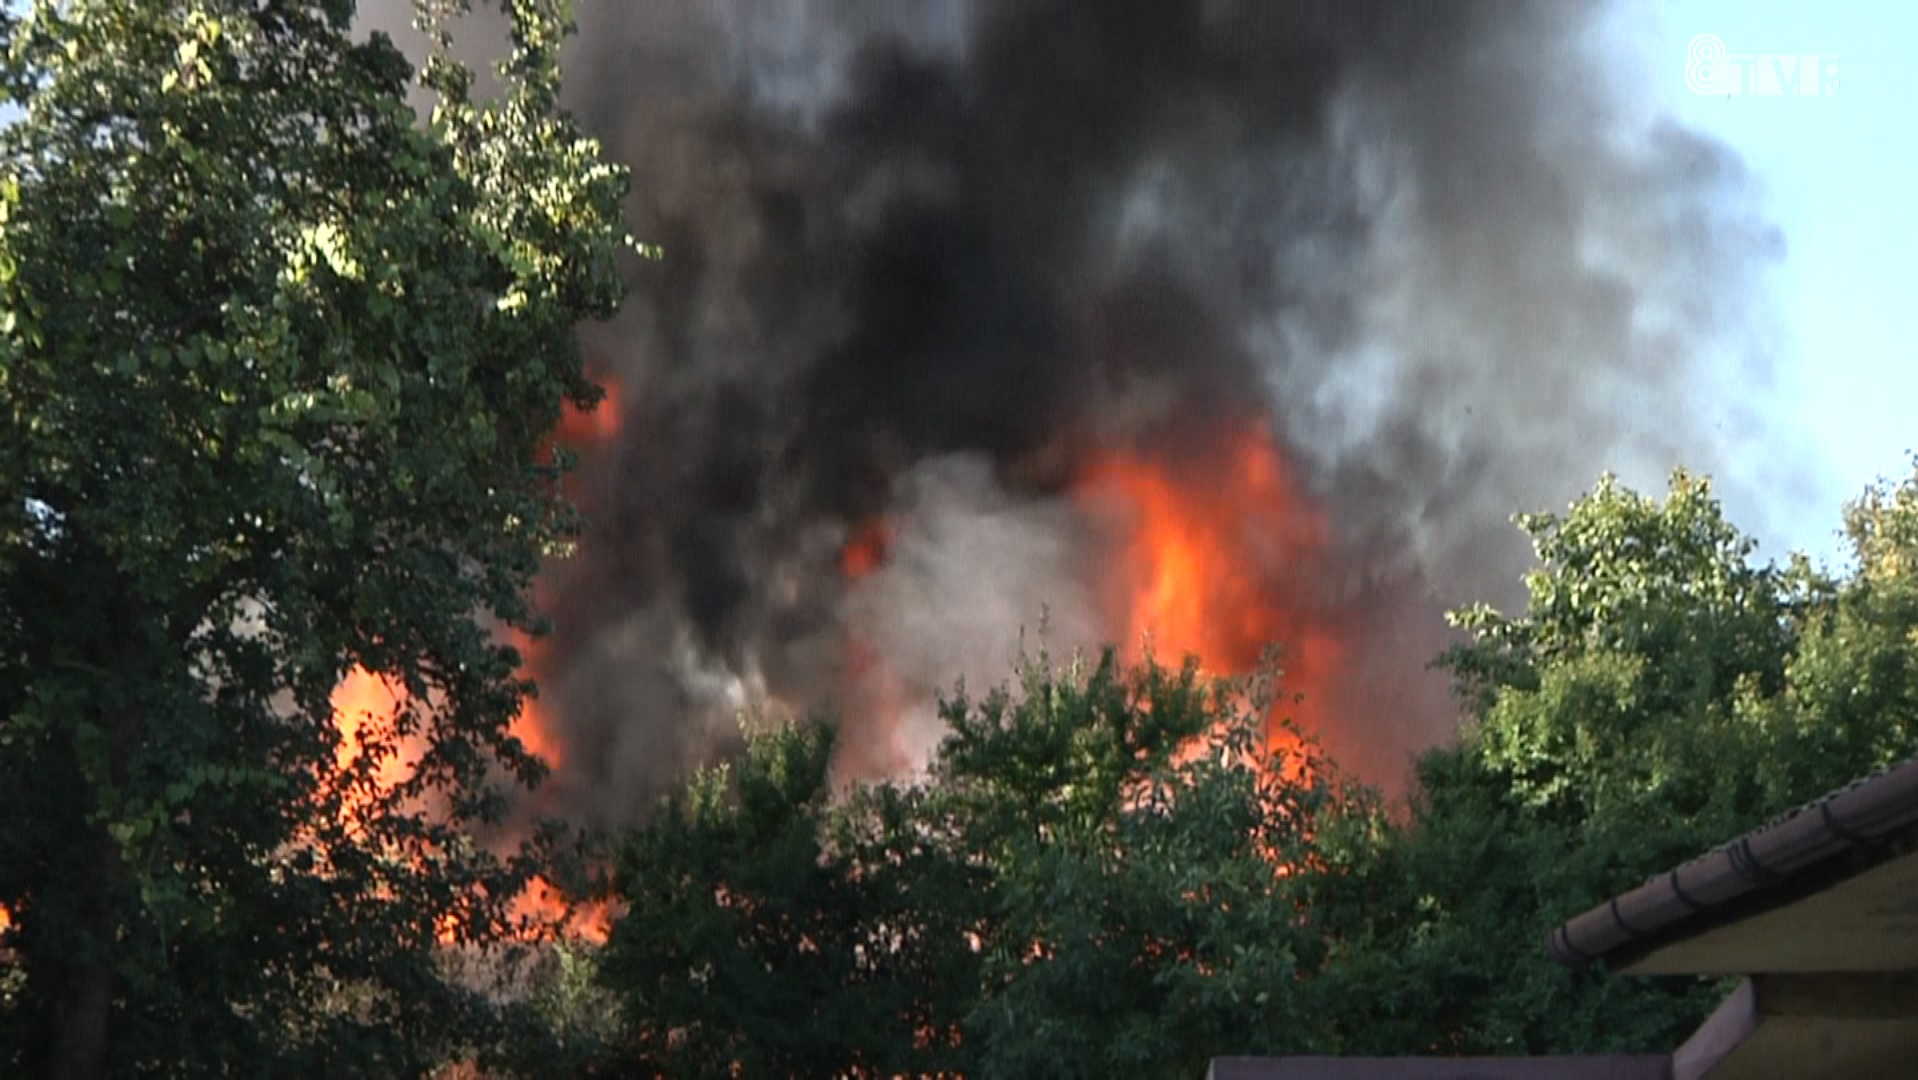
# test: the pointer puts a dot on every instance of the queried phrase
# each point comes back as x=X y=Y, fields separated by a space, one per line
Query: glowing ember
x=871 y=743
x=866 y=549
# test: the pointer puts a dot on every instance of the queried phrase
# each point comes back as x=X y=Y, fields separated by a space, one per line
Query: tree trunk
x=71 y=1035
x=89 y=880
x=79 y=1038
x=74 y=1028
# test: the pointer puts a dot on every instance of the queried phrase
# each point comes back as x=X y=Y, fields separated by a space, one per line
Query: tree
x=1661 y=694
x=277 y=364
x=1852 y=698
x=773 y=930
x=1089 y=881
x=1146 y=849
x=1649 y=628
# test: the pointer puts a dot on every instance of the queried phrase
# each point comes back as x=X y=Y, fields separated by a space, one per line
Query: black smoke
x=923 y=259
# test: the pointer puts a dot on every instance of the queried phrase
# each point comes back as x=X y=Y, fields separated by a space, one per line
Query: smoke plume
x=926 y=260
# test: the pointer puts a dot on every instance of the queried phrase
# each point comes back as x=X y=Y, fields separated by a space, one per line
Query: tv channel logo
x=1712 y=70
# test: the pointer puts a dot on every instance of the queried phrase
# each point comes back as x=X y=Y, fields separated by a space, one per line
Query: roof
x=1841 y=836
x=1814 y=909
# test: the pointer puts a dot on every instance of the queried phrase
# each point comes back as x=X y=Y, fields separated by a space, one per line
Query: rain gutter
x=1864 y=811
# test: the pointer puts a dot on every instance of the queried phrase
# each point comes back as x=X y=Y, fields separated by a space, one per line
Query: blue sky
x=1840 y=178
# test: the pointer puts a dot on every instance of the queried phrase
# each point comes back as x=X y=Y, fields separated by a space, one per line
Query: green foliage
x=564 y=1023
x=1853 y=692
x=1611 y=707
x=1137 y=833
x=768 y=926
x=1660 y=695
x=277 y=362
x=1087 y=883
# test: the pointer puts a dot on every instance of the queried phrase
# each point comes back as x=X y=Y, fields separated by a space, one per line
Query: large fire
x=1208 y=554
x=1206 y=550
x=1211 y=555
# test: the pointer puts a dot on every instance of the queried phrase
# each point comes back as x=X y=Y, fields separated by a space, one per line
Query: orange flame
x=1203 y=568
x=866 y=549
x=364 y=704
x=1215 y=551
x=363 y=709
x=540 y=902
x=587 y=427
x=870 y=743
x=532 y=726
